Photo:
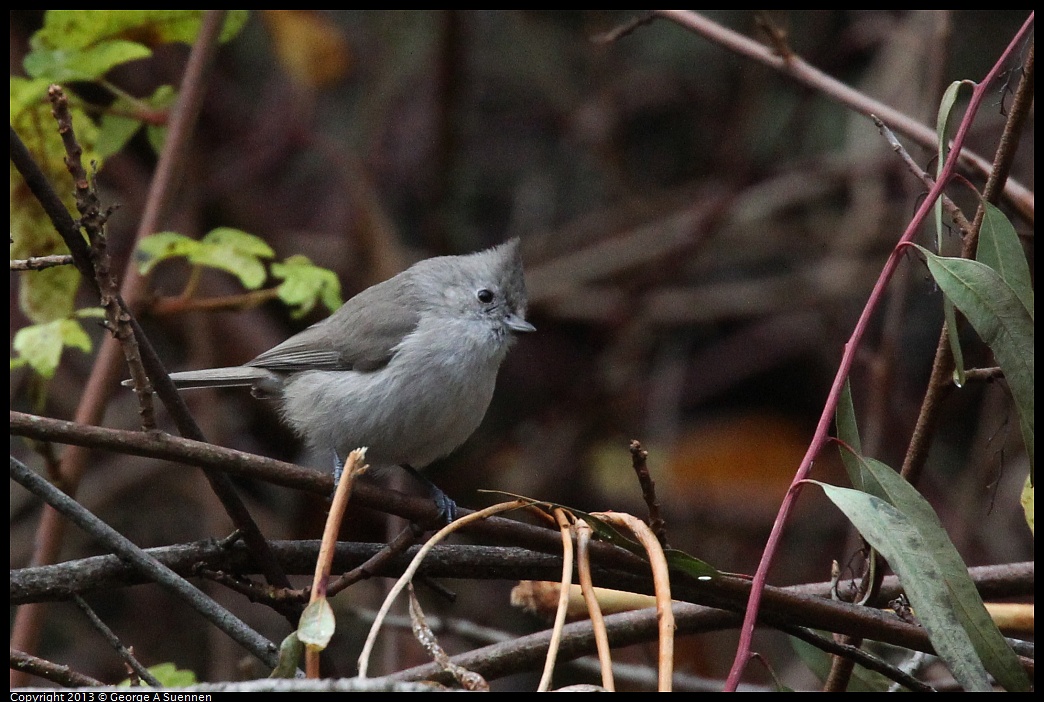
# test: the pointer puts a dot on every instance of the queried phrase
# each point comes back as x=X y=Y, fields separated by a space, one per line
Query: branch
x=61 y=674
x=822 y=428
x=250 y=640
x=792 y=66
x=940 y=382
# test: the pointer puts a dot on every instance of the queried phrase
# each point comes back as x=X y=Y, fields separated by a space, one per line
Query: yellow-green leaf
x=290 y=651
x=169 y=675
x=239 y=241
x=159 y=247
x=41 y=345
x=236 y=252
x=87 y=63
x=48 y=294
x=1027 y=502
x=304 y=284
x=84 y=45
x=317 y=624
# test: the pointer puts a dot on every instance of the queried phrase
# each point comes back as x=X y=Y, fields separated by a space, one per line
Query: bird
x=405 y=368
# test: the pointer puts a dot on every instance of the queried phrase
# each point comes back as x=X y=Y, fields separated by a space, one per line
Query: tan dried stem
x=353 y=468
x=407 y=576
x=661 y=584
x=565 y=529
x=594 y=611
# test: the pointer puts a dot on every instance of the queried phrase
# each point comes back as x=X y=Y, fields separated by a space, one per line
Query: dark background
x=700 y=235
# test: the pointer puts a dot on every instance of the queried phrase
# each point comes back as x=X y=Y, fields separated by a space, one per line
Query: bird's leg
x=338 y=468
x=447 y=507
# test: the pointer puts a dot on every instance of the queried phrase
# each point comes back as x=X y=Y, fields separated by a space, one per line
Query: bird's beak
x=517 y=324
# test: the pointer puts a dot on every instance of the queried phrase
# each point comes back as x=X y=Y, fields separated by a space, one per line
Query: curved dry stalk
x=594 y=611
x=353 y=468
x=662 y=585
x=407 y=576
x=563 y=599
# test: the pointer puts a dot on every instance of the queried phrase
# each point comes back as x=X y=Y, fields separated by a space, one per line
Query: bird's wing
x=362 y=335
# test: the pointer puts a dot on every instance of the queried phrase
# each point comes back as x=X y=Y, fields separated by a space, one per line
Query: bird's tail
x=221 y=377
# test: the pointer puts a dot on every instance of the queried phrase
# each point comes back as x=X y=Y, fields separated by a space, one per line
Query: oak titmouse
x=405 y=368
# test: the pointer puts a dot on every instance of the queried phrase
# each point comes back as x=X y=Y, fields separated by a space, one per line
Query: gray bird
x=405 y=368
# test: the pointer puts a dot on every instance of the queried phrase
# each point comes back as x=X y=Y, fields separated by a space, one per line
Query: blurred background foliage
x=700 y=234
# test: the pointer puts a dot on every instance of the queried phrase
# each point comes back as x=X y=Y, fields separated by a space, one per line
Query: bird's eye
x=484 y=296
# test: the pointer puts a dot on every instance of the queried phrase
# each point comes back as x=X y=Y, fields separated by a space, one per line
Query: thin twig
x=855 y=654
x=1020 y=197
x=352 y=469
x=623 y=30
x=939 y=383
x=364 y=657
x=470 y=681
x=38 y=263
x=117 y=543
x=61 y=674
x=133 y=663
x=951 y=208
x=406 y=538
x=93 y=222
x=639 y=462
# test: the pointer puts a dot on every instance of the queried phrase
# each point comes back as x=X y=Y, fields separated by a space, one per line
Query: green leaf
x=79 y=45
x=891 y=533
x=694 y=567
x=904 y=528
x=290 y=651
x=317 y=624
x=123 y=118
x=41 y=345
x=1000 y=249
x=48 y=294
x=79 y=29
x=238 y=241
x=230 y=250
x=160 y=247
x=1000 y=319
x=236 y=252
x=942 y=141
x=157 y=137
x=114 y=132
x=304 y=284
x=87 y=63
x=27 y=97
x=169 y=675
x=819 y=662
x=942 y=130
x=848 y=433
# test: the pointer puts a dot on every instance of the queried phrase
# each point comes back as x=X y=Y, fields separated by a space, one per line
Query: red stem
x=821 y=436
